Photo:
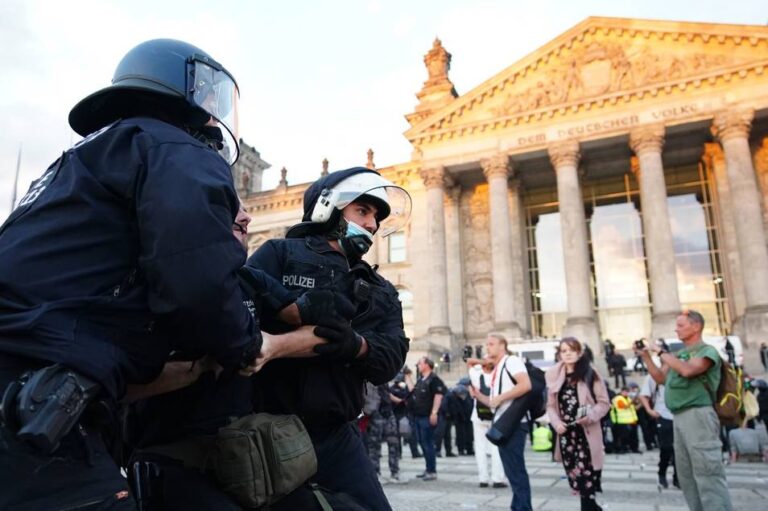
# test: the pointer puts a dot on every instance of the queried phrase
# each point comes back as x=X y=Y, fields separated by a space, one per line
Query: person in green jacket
x=691 y=378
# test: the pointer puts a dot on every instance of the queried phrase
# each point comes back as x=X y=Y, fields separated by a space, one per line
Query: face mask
x=356 y=241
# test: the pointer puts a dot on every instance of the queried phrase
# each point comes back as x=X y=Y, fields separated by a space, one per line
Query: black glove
x=324 y=307
x=343 y=342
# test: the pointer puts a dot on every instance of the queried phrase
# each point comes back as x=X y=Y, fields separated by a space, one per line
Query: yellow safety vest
x=542 y=439
x=623 y=411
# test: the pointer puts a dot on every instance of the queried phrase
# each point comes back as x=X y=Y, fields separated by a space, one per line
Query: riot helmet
x=325 y=199
x=171 y=80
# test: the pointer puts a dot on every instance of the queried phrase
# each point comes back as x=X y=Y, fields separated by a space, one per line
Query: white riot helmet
x=327 y=197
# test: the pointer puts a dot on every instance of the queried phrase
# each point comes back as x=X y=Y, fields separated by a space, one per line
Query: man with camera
x=509 y=381
x=691 y=378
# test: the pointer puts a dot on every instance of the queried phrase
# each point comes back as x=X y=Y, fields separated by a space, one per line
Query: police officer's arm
x=296 y=344
x=175 y=375
x=267 y=259
x=387 y=346
x=186 y=204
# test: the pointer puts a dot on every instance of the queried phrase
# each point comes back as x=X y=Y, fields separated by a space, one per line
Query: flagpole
x=16 y=180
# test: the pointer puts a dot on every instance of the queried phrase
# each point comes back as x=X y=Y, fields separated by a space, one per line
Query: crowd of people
x=586 y=418
x=153 y=348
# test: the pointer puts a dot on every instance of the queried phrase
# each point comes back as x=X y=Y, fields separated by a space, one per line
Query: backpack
x=729 y=398
x=751 y=406
x=537 y=396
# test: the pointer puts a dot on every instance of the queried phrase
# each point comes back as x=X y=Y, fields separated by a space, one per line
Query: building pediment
x=601 y=63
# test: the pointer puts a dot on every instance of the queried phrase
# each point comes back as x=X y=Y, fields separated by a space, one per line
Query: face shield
x=214 y=90
x=393 y=202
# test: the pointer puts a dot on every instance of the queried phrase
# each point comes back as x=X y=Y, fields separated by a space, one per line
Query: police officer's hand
x=344 y=343
x=324 y=307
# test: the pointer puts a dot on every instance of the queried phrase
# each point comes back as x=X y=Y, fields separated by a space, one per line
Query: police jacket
x=122 y=252
x=323 y=393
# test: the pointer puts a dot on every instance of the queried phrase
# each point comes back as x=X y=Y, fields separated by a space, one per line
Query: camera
x=639 y=344
x=661 y=343
x=466 y=353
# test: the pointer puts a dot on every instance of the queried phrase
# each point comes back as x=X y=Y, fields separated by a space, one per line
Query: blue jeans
x=513 y=460
x=426 y=434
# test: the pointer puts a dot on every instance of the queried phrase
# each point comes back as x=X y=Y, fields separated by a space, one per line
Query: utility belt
x=256 y=460
x=41 y=405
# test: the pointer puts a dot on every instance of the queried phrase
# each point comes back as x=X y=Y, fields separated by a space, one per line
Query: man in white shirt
x=482 y=418
x=509 y=380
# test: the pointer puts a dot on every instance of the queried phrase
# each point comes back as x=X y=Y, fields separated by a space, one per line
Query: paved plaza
x=629 y=484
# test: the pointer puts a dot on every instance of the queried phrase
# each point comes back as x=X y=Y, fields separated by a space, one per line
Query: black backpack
x=537 y=396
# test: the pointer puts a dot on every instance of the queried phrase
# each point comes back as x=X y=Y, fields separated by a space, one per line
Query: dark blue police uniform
x=106 y=267
x=329 y=395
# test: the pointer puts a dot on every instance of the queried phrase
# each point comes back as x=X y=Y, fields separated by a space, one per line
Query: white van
x=540 y=353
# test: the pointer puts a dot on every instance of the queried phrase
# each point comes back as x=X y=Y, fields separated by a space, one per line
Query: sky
x=318 y=79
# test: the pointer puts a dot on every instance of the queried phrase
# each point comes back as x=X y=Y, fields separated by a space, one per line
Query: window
x=396 y=247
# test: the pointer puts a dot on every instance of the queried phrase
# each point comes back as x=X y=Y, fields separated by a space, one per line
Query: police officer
x=105 y=268
x=192 y=400
x=342 y=212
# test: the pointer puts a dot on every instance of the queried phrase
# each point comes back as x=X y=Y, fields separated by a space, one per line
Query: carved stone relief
x=478 y=290
x=601 y=68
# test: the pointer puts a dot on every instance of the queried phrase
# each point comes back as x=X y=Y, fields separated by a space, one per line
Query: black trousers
x=647 y=428
x=413 y=440
x=344 y=473
x=443 y=434
x=666 y=435
x=464 y=436
x=80 y=474
x=625 y=437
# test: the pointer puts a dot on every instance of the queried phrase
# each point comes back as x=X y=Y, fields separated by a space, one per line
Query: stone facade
x=617 y=100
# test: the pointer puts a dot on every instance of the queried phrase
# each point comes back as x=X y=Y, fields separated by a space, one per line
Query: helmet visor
x=395 y=197
x=215 y=91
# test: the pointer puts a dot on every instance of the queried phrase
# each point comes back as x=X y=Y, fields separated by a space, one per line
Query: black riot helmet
x=171 y=80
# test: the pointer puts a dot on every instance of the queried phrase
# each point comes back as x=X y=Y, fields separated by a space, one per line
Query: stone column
x=520 y=287
x=454 y=264
x=732 y=129
x=435 y=183
x=647 y=142
x=729 y=248
x=581 y=318
x=761 y=167
x=497 y=171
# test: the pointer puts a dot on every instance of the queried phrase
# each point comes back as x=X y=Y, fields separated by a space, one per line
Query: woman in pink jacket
x=577 y=400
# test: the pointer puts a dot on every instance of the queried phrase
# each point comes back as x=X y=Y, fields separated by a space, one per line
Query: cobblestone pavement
x=629 y=484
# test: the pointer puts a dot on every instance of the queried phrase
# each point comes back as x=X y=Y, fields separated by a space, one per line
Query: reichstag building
x=600 y=185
